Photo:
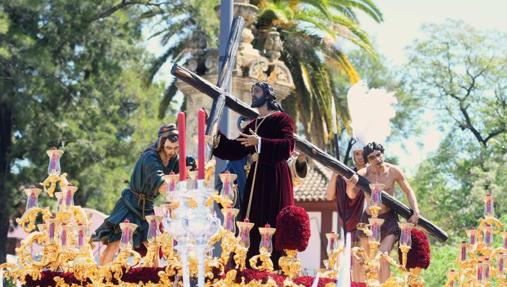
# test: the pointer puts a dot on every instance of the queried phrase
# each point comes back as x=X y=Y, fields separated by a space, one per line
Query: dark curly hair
x=371 y=147
x=270 y=95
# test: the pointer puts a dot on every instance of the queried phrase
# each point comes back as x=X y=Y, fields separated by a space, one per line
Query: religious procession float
x=182 y=241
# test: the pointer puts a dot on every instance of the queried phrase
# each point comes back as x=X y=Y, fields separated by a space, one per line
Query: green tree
x=310 y=31
x=69 y=75
x=459 y=73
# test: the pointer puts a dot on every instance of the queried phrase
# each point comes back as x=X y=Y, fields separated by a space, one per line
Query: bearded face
x=258 y=97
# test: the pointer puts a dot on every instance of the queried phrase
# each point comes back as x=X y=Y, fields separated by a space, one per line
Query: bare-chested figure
x=379 y=171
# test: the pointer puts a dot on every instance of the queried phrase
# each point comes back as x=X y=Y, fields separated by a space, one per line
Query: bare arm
x=331 y=188
x=409 y=192
x=163 y=188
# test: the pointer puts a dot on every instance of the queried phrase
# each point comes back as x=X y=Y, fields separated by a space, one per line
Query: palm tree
x=311 y=30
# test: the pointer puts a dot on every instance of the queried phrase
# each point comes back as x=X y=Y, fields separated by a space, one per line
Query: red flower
x=292 y=229
x=307 y=281
x=419 y=254
x=262 y=276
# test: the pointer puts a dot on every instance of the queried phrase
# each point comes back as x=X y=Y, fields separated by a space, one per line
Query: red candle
x=182 y=146
x=201 y=144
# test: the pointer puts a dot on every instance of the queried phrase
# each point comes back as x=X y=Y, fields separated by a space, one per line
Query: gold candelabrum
x=480 y=261
x=190 y=230
x=371 y=258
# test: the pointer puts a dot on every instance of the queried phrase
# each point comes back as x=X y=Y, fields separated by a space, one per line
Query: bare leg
x=108 y=254
x=386 y=246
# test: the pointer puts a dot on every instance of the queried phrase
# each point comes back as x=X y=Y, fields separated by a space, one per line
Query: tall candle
x=486 y=268
x=479 y=271
x=201 y=142
x=500 y=262
x=463 y=251
x=80 y=237
x=505 y=240
x=63 y=236
x=471 y=235
x=488 y=208
x=51 y=231
x=182 y=146
x=488 y=236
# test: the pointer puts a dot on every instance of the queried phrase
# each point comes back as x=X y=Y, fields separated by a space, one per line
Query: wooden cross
x=302 y=145
x=224 y=77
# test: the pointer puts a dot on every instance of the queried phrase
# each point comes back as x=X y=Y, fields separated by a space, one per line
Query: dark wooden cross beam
x=304 y=146
x=224 y=76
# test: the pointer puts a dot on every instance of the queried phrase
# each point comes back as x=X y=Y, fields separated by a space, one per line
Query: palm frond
x=169 y=94
x=172 y=52
x=366 y=6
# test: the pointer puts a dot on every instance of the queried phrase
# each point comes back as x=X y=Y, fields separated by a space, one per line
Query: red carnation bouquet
x=292 y=229
x=419 y=254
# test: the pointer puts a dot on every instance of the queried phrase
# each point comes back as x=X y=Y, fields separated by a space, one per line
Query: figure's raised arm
x=409 y=192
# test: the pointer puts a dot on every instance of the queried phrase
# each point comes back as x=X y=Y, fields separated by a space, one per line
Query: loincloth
x=390 y=225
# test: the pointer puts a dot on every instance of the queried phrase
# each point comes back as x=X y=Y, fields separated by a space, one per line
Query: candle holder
x=489 y=209
x=32 y=195
x=229 y=190
x=241 y=250
x=265 y=250
x=54 y=155
x=55 y=179
x=127 y=233
x=192 y=180
x=451 y=278
x=151 y=258
x=230 y=219
x=376 y=198
x=68 y=196
x=121 y=262
x=472 y=236
x=405 y=241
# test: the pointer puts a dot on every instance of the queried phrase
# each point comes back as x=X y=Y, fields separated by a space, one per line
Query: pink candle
x=486 y=269
x=172 y=184
x=488 y=205
x=500 y=262
x=201 y=142
x=153 y=228
x=182 y=146
x=68 y=197
x=32 y=200
x=488 y=237
x=505 y=240
x=51 y=231
x=80 y=237
x=63 y=236
x=479 y=271
x=472 y=236
x=463 y=251
x=53 y=161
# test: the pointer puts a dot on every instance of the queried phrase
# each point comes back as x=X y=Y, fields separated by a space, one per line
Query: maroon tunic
x=273 y=185
x=350 y=210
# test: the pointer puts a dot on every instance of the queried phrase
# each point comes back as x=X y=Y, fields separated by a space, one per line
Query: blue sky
x=402 y=23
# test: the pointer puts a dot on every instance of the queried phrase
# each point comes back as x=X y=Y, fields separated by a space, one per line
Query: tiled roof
x=313 y=186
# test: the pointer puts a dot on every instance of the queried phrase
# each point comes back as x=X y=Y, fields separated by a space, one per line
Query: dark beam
x=304 y=146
